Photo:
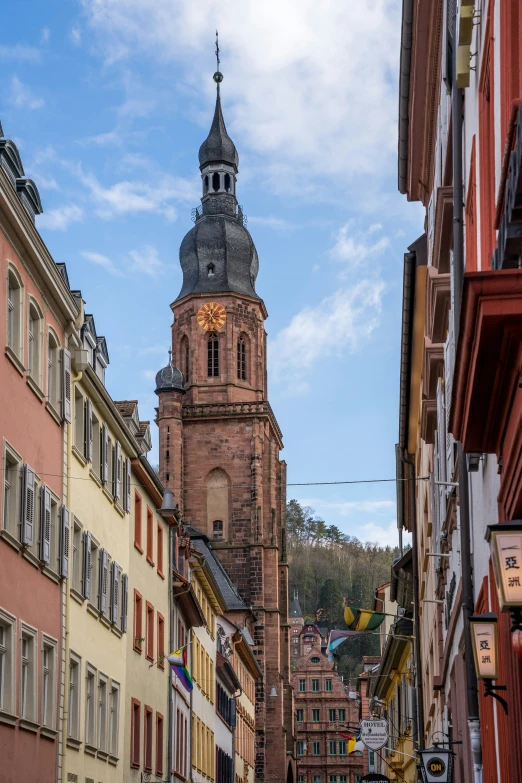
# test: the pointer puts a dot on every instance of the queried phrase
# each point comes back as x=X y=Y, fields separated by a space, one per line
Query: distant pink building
x=37 y=308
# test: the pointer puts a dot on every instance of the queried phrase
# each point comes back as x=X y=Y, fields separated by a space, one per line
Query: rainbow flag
x=178 y=661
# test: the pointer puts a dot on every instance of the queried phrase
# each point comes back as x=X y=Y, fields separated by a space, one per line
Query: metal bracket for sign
x=489 y=690
x=516 y=619
x=148 y=777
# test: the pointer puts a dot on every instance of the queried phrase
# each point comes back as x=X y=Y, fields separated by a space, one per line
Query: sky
x=109 y=101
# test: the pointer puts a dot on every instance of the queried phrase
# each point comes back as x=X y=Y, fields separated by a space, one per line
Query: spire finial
x=170 y=356
x=218 y=76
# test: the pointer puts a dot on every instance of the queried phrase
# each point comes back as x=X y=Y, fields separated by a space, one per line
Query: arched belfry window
x=227 y=183
x=213 y=356
x=241 y=359
x=215 y=181
x=206 y=183
x=185 y=358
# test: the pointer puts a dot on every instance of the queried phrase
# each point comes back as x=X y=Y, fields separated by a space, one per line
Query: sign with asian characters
x=374 y=732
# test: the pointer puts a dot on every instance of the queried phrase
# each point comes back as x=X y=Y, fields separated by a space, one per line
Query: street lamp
x=505 y=541
x=436 y=764
x=484 y=636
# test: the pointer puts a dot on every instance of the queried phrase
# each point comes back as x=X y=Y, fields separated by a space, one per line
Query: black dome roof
x=218 y=255
x=169 y=379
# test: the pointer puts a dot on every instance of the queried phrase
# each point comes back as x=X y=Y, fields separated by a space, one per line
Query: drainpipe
x=468 y=602
x=172 y=533
x=416 y=620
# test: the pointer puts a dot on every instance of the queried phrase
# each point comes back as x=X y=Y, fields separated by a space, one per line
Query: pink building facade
x=37 y=309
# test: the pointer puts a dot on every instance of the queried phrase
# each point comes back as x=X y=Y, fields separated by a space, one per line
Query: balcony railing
x=220 y=205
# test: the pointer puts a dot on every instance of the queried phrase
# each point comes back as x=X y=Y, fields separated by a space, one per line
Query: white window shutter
x=87 y=564
x=88 y=430
x=105 y=453
x=64 y=542
x=27 y=520
x=66 y=386
x=124 y=601
x=115 y=592
x=104 y=580
x=117 y=471
x=127 y=485
x=45 y=529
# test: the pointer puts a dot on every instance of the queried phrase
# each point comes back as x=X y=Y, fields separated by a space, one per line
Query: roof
x=126 y=407
x=218 y=146
x=295 y=608
x=142 y=429
x=169 y=378
x=229 y=592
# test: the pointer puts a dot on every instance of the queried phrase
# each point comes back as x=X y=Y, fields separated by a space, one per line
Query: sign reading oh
x=374 y=733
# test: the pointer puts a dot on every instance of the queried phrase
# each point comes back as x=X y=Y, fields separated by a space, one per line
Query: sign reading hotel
x=374 y=733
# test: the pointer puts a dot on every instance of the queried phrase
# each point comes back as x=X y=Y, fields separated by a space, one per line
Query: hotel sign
x=374 y=733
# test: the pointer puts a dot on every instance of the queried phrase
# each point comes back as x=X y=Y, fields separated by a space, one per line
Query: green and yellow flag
x=362 y=619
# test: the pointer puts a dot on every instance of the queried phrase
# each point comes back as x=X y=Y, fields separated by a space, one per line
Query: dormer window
x=211 y=270
x=215 y=182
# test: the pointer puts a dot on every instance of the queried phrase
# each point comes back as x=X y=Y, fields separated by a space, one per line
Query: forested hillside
x=325 y=566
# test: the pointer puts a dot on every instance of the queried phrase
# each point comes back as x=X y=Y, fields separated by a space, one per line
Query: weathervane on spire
x=218 y=76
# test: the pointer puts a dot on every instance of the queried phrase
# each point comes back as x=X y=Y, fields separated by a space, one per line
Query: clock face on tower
x=211 y=315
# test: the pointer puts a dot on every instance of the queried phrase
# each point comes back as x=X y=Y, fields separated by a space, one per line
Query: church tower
x=219 y=439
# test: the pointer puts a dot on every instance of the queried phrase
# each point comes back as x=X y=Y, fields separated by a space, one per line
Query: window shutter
x=88 y=430
x=233 y=713
x=87 y=564
x=105 y=454
x=64 y=542
x=117 y=471
x=115 y=589
x=45 y=527
x=66 y=385
x=27 y=521
x=127 y=485
x=104 y=578
x=124 y=601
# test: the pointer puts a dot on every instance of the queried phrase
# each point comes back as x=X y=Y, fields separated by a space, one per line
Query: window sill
x=103 y=755
x=28 y=725
x=133 y=765
x=93 y=610
x=53 y=412
x=95 y=478
x=76 y=595
x=117 y=631
x=138 y=547
x=113 y=760
x=105 y=620
x=31 y=558
x=73 y=743
x=90 y=749
x=50 y=734
x=35 y=388
x=150 y=561
x=10 y=539
x=119 y=509
x=150 y=658
x=7 y=717
x=11 y=355
x=137 y=649
x=79 y=456
x=108 y=494
x=161 y=574
x=53 y=576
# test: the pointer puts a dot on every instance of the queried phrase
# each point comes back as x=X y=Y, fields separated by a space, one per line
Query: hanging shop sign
x=374 y=733
x=436 y=765
x=373 y=777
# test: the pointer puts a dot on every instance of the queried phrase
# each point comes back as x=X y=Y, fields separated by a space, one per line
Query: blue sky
x=109 y=100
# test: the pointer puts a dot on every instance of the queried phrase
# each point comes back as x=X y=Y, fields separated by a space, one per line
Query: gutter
x=404 y=92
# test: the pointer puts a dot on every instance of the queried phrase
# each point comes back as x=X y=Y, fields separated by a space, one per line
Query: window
x=96 y=446
x=315 y=716
x=215 y=181
x=342 y=778
x=147 y=739
x=102 y=712
x=48 y=683
x=227 y=183
x=299 y=716
x=213 y=356
x=317 y=779
x=316 y=748
x=315 y=686
x=301 y=779
x=185 y=358
x=14 y=313
x=328 y=686
x=94 y=571
x=161 y=641
x=149 y=630
x=7 y=658
x=342 y=748
x=206 y=183
x=135 y=733
x=137 y=522
x=74 y=697
x=241 y=359
x=302 y=686
x=295 y=640
x=150 y=537
x=342 y=716
x=371 y=760
x=53 y=371
x=76 y=583
x=217 y=530
x=12 y=490
x=332 y=747
x=28 y=674
x=159 y=547
x=138 y=622
x=90 y=706
x=332 y=778
x=79 y=421
x=34 y=339
x=159 y=744
x=300 y=748
x=114 y=718
x=315 y=659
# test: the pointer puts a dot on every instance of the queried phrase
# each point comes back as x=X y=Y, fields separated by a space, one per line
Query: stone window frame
x=35 y=345
x=49 y=644
x=14 y=343
x=74 y=700
x=30 y=662
x=8 y=661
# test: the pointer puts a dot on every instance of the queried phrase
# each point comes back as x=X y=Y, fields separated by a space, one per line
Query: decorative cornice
x=221 y=410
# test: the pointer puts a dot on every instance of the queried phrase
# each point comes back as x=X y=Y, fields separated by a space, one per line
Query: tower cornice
x=210 y=296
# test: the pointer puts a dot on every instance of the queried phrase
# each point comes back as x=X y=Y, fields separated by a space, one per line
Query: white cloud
x=349 y=507
x=22 y=97
x=277 y=224
x=60 y=218
x=103 y=261
x=145 y=259
x=384 y=536
x=21 y=53
x=45 y=36
x=299 y=86
x=353 y=248
x=341 y=322
x=76 y=36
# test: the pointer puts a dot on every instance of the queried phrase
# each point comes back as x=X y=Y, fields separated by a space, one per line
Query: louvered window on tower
x=241 y=359
x=213 y=356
